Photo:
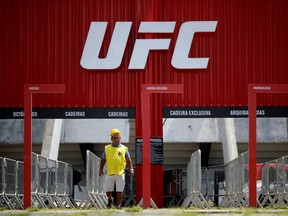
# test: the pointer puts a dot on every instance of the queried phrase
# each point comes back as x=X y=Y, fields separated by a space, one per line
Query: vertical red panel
x=146 y=160
x=27 y=148
x=153 y=73
x=252 y=148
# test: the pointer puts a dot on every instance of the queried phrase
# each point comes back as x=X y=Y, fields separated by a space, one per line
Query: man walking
x=115 y=156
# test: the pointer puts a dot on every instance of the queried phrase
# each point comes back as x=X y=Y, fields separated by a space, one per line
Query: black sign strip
x=223 y=112
x=70 y=113
x=129 y=113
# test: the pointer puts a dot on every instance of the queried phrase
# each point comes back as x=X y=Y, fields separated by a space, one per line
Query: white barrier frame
x=95 y=196
x=194 y=196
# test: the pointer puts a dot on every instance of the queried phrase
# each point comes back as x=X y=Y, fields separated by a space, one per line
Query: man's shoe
x=109 y=205
x=119 y=206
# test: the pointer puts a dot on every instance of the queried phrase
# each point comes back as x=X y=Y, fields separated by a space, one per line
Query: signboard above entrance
x=129 y=113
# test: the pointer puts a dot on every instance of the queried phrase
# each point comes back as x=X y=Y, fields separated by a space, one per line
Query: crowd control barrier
x=173 y=191
x=64 y=183
x=9 y=195
x=274 y=190
x=51 y=183
x=237 y=185
x=129 y=192
x=95 y=196
x=194 y=196
x=213 y=184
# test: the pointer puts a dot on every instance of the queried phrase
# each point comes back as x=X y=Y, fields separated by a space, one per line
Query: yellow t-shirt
x=115 y=159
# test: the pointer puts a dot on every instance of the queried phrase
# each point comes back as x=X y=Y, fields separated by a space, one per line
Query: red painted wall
x=42 y=42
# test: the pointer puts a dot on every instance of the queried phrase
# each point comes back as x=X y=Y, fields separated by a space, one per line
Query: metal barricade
x=3 y=200
x=173 y=194
x=11 y=183
x=213 y=184
x=20 y=180
x=101 y=192
x=39 y=183
x=194 y=196
x=237 y=186
x=274 y=183
x=95 y=196
x=64 y=184
x=129 y=190
x=285 y=178
x=69 y=186
x=51 y=184
x=61 y=169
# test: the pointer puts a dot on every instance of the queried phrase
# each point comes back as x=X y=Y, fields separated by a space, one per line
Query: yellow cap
x=115 y=131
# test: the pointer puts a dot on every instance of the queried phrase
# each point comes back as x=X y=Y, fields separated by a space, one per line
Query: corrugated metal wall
x=42 y=42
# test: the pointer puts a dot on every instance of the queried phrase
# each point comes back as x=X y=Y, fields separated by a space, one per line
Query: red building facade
x=42 y=42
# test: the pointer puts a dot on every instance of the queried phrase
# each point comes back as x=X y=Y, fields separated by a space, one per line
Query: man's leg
x=109 y=195
x=120 y=183
x=108 y=187
x=110 y=199
x=114 y=195
x=119 y=199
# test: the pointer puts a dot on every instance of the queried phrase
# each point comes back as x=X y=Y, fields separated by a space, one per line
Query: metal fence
x=229 y=184
x=272 y=183
x=213 y=184
x=95 y=196
x=9 y=195
x=194 y=195
x=51 y=183
x=274 y=189
x=237 y=185
x=129 y=192
x=173 y=187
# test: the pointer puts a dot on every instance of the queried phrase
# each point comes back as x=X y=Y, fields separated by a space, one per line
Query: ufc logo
x=180 y=60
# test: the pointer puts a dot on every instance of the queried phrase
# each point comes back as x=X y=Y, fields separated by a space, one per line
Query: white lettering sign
x=262 y=87
x=190 y=112
x=180 y=59
x=117 y=114
x=21 y=114
x=74 y=114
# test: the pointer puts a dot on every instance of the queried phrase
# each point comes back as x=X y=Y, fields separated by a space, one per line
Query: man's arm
x=130 y=165
x=102 y=163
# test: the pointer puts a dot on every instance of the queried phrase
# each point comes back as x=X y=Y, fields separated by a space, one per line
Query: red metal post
x=146 y=178
x=27 y=147
x=252 y=147
x=29 y=89
x=147 y=89
x=253 y=89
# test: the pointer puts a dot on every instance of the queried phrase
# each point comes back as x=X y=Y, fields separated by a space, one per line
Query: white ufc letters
x=180 y=60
